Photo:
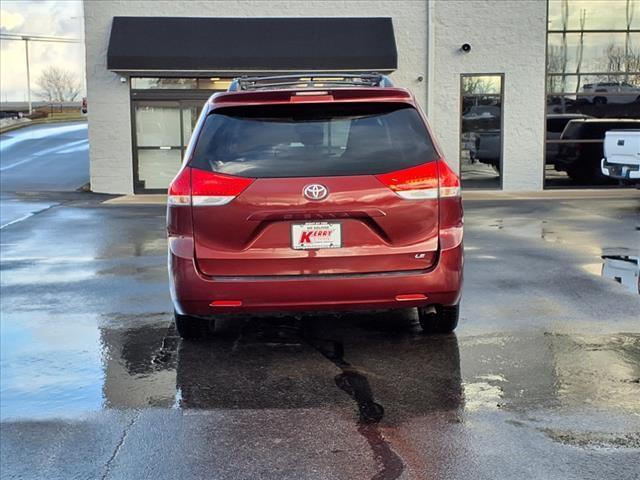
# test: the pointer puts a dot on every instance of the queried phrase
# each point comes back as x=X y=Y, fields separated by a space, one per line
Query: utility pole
x=26 y=51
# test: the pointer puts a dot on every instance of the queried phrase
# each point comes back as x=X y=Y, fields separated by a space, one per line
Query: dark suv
x=318 y=192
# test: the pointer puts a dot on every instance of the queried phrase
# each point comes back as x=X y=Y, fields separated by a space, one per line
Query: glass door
x=481 y=131
x=162 y=132
x=190 y=111
x=158 y=143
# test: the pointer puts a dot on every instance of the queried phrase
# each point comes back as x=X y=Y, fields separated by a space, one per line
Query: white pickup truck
x=622 y=155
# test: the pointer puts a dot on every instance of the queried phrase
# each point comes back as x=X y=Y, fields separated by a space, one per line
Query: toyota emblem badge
x=315 y=191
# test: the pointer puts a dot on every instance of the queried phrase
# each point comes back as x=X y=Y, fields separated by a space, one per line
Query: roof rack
x=307 y=80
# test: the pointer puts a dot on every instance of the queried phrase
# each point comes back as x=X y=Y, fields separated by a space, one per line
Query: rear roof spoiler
x=362 y=94
x=326 y=80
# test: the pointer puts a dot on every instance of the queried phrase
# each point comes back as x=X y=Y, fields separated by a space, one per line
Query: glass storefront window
x=593 y=52
x=481 y=132
x=163 y=130
x=582 y=84
x=156 y=167
x=157 y=124
x=170 y=83
x=189 y=119
x=594 y=15
x=145 y=83
x=165 y=114
x=214 y=83
x=593 y=85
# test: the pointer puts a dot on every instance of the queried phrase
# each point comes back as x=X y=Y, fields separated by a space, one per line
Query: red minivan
x=317 y=192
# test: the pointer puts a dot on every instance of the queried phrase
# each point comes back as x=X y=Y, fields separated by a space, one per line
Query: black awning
x=251 y=44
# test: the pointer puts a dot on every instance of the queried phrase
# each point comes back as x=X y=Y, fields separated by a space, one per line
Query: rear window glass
x=309 y=140
x=557 y=125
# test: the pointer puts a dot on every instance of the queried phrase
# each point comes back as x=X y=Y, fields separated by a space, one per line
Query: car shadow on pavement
x=283 y=362
x=376 y=366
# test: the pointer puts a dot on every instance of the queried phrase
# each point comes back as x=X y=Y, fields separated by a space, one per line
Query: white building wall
x=507 y=36
x=109 y=104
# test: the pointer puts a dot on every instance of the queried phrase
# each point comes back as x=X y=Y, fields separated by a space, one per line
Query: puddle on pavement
x=382 y=370
x=553 y=371
x=624 y=269
x=594 y=440
x=621 y=265
x=356 y=385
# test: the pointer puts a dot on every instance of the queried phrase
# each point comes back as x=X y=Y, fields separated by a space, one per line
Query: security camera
x=123 y=79
x=466 y=48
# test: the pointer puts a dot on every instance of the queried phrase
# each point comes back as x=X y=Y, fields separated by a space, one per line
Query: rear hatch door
x=314 y=202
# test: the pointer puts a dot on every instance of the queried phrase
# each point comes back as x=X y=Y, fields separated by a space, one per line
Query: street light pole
x=26 y=51
x=34 y=38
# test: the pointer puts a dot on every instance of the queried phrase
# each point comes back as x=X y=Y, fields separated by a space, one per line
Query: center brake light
x=427 y=181
x=196 y=187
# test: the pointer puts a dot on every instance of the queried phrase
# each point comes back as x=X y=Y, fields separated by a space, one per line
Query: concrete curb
x=40 y=122
x=146 y=199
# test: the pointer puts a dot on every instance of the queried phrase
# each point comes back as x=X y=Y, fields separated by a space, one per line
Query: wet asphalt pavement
x=41 y=158
x=541 y=380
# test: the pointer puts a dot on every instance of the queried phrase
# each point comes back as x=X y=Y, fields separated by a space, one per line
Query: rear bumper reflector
x=226 y=303
x=410 y=296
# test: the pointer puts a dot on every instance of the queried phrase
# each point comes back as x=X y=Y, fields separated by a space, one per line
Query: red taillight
x=180 y=188
x=200 y=187
x=208 y=188
x=422 y=182
x=449 y=181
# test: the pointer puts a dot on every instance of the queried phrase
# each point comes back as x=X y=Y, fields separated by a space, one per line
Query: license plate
x=313 y=235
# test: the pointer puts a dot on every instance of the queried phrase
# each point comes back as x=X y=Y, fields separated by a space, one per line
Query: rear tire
x=192 y=328
x=443 y=320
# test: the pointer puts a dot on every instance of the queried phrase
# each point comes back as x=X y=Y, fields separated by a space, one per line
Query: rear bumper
x=620 y=171
x=192 y=293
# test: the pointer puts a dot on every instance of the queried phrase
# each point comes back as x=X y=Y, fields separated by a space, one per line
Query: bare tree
x=620 y=59
x=556 y=64
x=58 y=85
x=475 y=85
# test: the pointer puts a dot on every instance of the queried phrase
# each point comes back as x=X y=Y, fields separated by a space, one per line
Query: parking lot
x=541 y=379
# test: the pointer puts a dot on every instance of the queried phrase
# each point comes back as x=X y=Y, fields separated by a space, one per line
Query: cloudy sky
x=38 y=17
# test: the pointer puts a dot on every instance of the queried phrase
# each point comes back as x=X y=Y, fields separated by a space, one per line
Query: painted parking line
x=24 y=217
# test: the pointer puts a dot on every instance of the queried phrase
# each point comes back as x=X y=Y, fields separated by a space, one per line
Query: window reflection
x=163 y=83
x=594 y=15
x=593 y=85
x=481 y=131
x=593 y=52
x=172 y=83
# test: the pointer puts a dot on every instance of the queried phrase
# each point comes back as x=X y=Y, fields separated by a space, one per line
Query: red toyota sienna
x=307 y=193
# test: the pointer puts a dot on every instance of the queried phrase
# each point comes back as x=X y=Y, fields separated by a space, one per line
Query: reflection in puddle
x=594 y=440
x=619 y=264
x=389 y=375
x=623 y=269
x=552 y=371
x=482 y=396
